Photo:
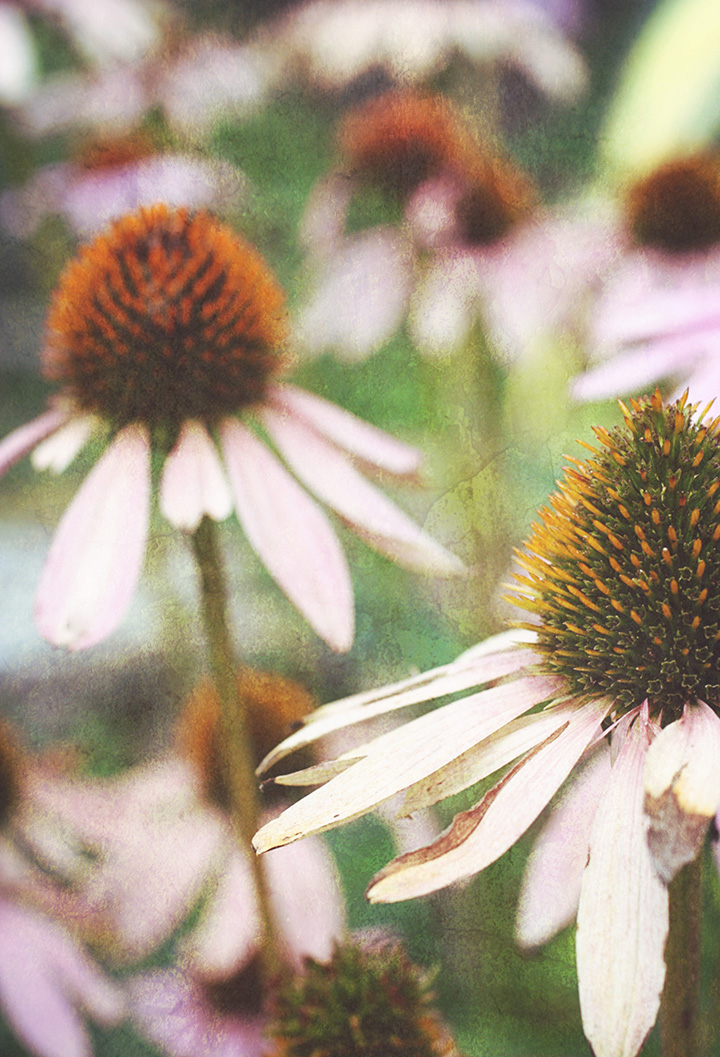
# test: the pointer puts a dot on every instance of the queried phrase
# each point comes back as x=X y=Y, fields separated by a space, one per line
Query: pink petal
x=230 y=929
x=348 y=431
x=96 y=555
x=550 y=890
x=291 y=535
x=193 y=482
x=633 y=369
x=323 y=221
x=42 y=968
x=623 y=914
x=481 y=835
x=173 y=1011
x=24 y=439
x=445 y=304
x=58 y=451
x=306 y=899
x=404 y=756
x=682 y=787
x=370 y=704
x=328 y=474
x=361 y=297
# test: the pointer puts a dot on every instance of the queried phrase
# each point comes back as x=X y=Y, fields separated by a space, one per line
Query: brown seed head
x=677 y=207
x=168 y=315
x=497 y=196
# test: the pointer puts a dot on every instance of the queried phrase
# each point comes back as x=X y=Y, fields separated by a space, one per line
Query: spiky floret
x=623 y=571
x=367 y=1001
x=677 y=207
x=168 y=315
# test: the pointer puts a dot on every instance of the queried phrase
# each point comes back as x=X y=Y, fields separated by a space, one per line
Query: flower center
x=624 y=570
x=677 y=207
x=167 y=316
x=496 y=198
x=367 y=1000
x=401 y=139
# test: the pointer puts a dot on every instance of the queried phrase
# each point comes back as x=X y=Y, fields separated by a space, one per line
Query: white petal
x=404 y=756
x=550 y=890
x=193 y=482
x=682 y=787
x=24 y=439
x=349 y=432
x=291 y=535
x=623 y=914
x=58 y=451
x=481 y=835
x=96 y=556
x=371 y=704
x=328 y=474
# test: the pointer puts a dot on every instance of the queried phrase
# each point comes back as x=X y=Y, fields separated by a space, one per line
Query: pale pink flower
x=620 y=599
x=332 y=42
x=115 y=177
x=470 y=247
x=192 y=82
x=658 y=317
x=168 y=330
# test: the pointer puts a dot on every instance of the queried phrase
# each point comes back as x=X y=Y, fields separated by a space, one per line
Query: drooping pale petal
x=404 y=756
x=501 y=748
x=96 y=556
x=43 y=969
x=306 y=899
x=361 y=296
x=291 y=535
x=445 y=304
x=328 y=474
x=24 y=439
x=369 y=704
x=60 y=448
x=481 y=835
x=193 y=481
x=550 y=890
x=682 y=787
x=632 y=369
x=323 y=221
x=18 y=59
x=230 y=927
x=623 y=914
x=371 y=445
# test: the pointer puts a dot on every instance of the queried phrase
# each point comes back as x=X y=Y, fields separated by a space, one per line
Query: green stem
x=679 y=1010
x=235 y=746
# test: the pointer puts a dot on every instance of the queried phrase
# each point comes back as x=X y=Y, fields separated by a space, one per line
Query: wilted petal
x=623 y=914
x=96 y=556
x=550 y=890
x=24 y=439
x=291 y=535
x=328 y=474
x=58 y=451
x=682 y=787
x=349 y=432
x=193 y=482
x=404 y=756
x=361 y=296
x=481 y=835
x=448 y=679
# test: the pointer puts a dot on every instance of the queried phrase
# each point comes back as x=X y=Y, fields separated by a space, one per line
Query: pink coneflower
x=658 y=318
x=621 y=576
x=113 y=175
x=48 y=982
x=472 y=245
x=166 y=335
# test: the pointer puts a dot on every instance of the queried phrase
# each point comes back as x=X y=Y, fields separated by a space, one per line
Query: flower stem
x=679 y=1011
x=234 y=742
